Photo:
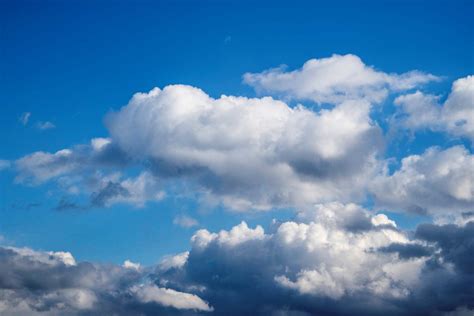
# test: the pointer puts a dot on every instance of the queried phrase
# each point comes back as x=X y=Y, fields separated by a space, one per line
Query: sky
x=236 y=134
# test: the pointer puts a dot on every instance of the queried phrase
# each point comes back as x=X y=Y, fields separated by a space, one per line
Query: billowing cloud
x=53 y=283
x=335 y=79
x=437 y=182
x=250 y=153
x=332 y=260
x=455 y=115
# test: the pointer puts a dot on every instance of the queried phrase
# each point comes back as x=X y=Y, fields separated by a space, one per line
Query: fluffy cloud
x=455 y=116
x=90 y=169
x=438 y=182
x=331 y=260
x=335 y=79
x=250 y=153
x=334 y=259
x=52 y=283
x=169 y=297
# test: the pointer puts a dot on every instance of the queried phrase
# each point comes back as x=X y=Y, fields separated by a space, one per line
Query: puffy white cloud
x=335 y=79
x=438 y=182
x=250 y=153
x=127 y=264
x=169 y=297
x=455 y=116
x=174 y=262
x=329 y=254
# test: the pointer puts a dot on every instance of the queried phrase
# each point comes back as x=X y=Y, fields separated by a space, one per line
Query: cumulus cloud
x=335 y=79
x=437 y=182
x=250 y=153
x=53 y=283
x=331 y=260
x=455 y=115
x=334 y=259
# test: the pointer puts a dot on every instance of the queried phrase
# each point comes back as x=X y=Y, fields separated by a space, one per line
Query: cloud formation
x=455 y=115
x=250 y=153
x=52 y=283
x=333 y=260
x=90 y=169
x=334 y=80
x=437 y=182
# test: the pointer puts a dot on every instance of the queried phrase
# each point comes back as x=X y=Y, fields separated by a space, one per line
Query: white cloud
x=174 y=262
x=45 y=125
x=185 y=221
x=328 y=251
x=169 y=297
x=49 y=257
x=335 y=79
x=455 y=116
x=127 y=264
x=250 y=153
x=439 y=182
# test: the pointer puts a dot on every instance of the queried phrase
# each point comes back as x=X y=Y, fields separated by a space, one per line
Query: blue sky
x=313 y=157
x=70 y=63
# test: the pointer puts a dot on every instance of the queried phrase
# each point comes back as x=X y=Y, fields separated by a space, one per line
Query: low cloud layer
x=52 y=283
x=334 y=259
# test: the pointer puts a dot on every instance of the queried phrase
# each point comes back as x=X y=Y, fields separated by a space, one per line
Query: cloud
x=131 y=265
x=334 y=80
x=437 y=182
x=455 y=115
x=53 y=283
x=250 y=153
x=185 y=221
x=45 y=125
x=169 y=297
x=24 y=118
x=90 y=169
x=322 y=263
